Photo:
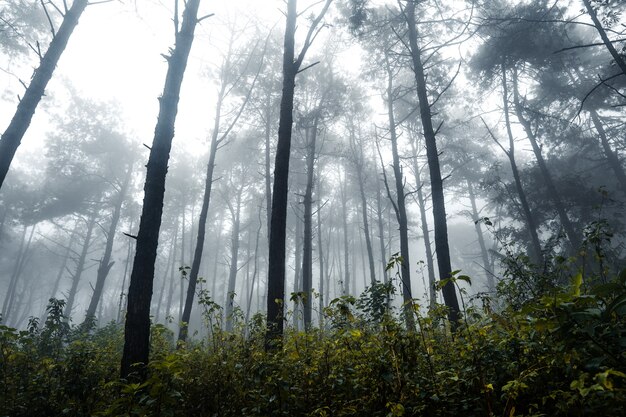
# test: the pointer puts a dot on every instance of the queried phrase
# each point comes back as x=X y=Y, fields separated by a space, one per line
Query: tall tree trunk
x=491 y=285
x=80 y=266
x=439 y=207
x=105 y=262
x=234 y=260
x=280 y=194
x=400 y=205
x=307 y=256
x=545 y=172
x=609 y=153
x=278 y=222
x=137 y=327
x=421 y=203
x=12 y=137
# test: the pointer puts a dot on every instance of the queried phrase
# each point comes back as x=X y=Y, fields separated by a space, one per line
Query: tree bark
x=276 y=267
x=278 y=222
x=439 y=208
x=105 y=263
x=12 y=136
x=137 y=327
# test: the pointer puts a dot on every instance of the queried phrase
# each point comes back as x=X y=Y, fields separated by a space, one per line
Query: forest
x=312 y=208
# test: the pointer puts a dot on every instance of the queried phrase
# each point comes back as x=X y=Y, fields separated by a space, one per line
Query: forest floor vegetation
x=561 y=352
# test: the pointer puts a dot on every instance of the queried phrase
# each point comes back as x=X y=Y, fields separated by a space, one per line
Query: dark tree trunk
x=137 y=327
x=12 y=137
x=491 y=285
x=105 y=263
x=280 y=193
x=545 y=172
x=307 y=255
x=80 y=266
x=439 y=208
x=400 y=205
x=278 y=222
x=609 y=153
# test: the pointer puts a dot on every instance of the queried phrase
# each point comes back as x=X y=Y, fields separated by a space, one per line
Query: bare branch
x=45 y=10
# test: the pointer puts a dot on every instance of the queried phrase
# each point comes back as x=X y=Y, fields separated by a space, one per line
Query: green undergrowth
x=559 y=354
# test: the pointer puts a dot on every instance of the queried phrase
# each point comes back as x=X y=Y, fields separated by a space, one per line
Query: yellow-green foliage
x=561 y=354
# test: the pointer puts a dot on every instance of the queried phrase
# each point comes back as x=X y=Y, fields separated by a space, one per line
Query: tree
x=12 y=136
x=105 y=263
x=276 y=269
x=436 y=182
x=137 y=326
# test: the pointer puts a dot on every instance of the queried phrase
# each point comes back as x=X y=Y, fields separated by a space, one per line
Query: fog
x=524 y=102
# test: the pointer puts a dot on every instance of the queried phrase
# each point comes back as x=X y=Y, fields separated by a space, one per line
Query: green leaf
x=465 y=278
